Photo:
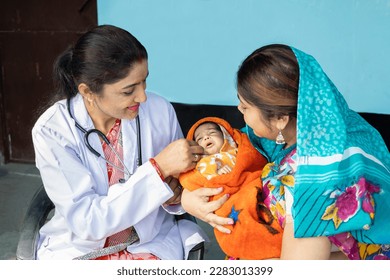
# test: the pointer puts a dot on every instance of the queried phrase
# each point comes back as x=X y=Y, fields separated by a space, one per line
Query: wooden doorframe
x=32 y=35
x=4 y=151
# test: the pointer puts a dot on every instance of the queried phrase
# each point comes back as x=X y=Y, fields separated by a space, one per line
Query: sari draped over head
x=342 y=181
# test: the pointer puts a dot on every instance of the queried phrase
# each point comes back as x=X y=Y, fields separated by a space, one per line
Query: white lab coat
x=86 y=209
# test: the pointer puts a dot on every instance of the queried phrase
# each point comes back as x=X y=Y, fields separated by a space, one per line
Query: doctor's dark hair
x=103 y=55
x=269 y=79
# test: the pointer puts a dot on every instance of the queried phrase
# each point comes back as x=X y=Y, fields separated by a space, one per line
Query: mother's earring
x=280 y=139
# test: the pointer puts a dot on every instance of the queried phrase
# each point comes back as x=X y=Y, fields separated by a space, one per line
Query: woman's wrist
x=157 y=168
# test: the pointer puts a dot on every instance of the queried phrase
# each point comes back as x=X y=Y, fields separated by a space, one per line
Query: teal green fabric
x=342 y=181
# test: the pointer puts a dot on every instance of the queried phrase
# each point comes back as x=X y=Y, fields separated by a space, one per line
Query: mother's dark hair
x=101 y=56
x=268 y=79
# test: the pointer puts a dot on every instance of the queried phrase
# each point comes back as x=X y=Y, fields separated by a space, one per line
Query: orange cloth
x=255 y=234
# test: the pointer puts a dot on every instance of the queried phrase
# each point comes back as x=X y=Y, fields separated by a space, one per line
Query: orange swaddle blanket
x=255 y=234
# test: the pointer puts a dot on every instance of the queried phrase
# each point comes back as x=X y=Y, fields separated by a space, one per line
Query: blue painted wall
x=196 y=46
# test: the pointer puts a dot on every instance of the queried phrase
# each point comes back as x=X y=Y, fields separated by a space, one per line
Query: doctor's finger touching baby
x=178 y=156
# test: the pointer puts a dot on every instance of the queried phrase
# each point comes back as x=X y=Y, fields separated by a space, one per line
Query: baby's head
x=209 y=135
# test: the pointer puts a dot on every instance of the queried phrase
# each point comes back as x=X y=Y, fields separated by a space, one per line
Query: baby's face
x=210 y=137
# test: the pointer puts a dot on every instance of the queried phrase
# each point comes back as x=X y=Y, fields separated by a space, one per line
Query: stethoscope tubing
x=87 y=133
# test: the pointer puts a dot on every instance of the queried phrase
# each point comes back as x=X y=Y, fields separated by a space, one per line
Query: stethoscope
x=87 y=133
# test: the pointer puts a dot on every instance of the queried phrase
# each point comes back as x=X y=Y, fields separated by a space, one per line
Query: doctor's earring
x=280 y=139
x=90 y=101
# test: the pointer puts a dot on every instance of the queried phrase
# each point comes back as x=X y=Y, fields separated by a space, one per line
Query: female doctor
x=107 y=155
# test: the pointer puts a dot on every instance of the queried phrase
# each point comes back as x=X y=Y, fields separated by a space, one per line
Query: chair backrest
x=381 y=122
x=36 y=215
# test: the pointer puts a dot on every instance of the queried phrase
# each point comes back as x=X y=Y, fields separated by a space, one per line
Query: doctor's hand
x=197 y=204
x=175 y=186
x=179 y=156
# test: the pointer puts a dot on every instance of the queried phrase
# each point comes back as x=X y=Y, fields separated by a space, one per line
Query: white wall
x=196 y=46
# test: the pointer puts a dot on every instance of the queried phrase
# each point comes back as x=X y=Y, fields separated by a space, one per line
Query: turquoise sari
x=342 y=176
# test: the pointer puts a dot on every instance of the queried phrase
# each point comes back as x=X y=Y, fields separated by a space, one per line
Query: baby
x=232 y=162
x=220 y=150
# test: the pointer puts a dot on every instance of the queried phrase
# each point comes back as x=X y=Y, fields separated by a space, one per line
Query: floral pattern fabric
x=278 y=178
x=341 y=159
x=125 y=255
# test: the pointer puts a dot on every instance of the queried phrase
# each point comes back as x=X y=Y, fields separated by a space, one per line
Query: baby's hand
x=224 y=170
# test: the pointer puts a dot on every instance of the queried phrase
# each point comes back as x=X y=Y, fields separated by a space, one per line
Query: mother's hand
x=197 y=204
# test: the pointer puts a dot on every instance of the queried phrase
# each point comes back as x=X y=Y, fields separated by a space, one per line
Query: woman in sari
x=327 y=179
